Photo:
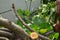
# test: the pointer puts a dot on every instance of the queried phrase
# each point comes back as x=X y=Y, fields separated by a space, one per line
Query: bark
x=6 y=34
x=14 y=28
x=5 y=29
x=20 y=33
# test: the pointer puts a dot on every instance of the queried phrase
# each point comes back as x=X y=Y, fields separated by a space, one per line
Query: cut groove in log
x=6 y=34
x=3 y=38
x=5 y=29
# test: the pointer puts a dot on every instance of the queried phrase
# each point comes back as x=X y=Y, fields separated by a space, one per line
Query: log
x=14 y=28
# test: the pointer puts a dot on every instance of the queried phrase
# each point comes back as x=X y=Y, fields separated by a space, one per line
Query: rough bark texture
x=3 y=38
x=18 y=32
x=57 y=10
x=14 y=28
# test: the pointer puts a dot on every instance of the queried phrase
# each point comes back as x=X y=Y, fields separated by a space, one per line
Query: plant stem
x=30 y=5
x=26 y=4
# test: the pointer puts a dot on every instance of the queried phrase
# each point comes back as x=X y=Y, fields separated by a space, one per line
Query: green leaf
x=26 y=12
x=35 y=27
x=19 y=23
x=26 y=0
x=31 y=0
x=45 y=25
x=56 y=35
x=42 y=31
x=19 y=11
x=37 y=20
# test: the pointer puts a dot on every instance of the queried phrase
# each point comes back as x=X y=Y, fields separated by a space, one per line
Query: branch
x=20 y=19
x=28 y=27
x=48 y=33
x=6 y=11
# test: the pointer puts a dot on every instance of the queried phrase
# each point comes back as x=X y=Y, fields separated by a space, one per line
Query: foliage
x=40 y=22
x=46 y=1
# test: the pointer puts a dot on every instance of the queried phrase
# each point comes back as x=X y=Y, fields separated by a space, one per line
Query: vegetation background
x=40 y=20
